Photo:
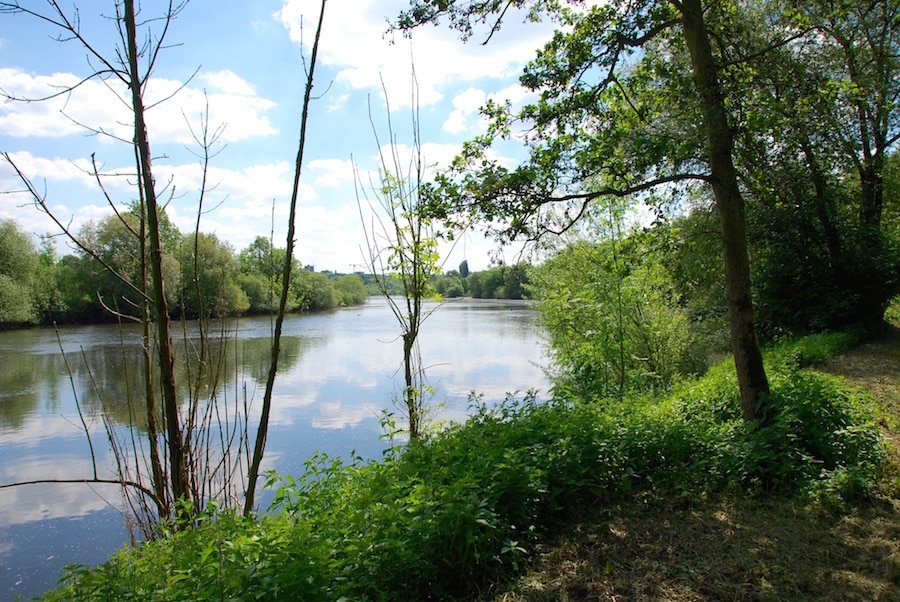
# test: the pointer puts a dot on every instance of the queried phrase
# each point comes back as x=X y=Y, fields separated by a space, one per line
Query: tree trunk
x=720 y=139
x=159 y=481
x=411 y=393
x=177 y=453
x=871 y=204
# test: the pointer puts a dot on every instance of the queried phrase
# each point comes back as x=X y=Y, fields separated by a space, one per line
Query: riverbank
x=671 y=497
x=735 y=548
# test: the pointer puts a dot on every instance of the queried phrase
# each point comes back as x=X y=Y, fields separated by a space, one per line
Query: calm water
x=338 y=372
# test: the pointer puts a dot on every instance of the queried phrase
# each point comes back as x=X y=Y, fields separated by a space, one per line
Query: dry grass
x=773 y=549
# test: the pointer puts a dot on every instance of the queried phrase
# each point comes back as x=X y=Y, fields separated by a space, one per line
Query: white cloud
x=516 y=94
x=356 y=54
x=331 y=173
x=92 y=103
x=466 y=104
x=334 y=415
x=232 y=102
x=338 y=102
x=48 y=176
x=40 y=168
x=355 y=42
x=102 y=106
x=434 y=157
x=228 y=81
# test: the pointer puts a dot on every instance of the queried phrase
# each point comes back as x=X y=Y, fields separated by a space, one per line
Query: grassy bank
x=779 y=547
x=596 y=499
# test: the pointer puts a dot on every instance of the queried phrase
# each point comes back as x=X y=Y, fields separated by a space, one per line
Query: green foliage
x=803 y=285
x=110 y=274
x=29 y=287
x=613 y=319
x=892 y=313
x=500 y=282
x=262 y=259
x=815 y=127
x=461 y=508
x=314 y=291
x=48 y=299
x=691 y=249
x=260 y=276
x=18 y=264
x=15 y=302
x=228 y=558
x=449 y=286
x=262 y=294
x=18 y=258
x=813 y=349
x=351 y=289
x=36 y=286
x=816 y=156
x=208 y=287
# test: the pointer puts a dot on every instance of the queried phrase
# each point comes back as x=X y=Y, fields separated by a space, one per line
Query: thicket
x=462 y=508
x=38 y=287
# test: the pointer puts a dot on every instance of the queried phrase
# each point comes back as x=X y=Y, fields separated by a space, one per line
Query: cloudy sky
x=249 y=72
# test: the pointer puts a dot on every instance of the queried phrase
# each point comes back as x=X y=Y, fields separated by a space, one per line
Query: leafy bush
x=892 y=313
x=314 y=291
x=613 y=320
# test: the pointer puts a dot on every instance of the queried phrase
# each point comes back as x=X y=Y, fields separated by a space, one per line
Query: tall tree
x=851 y=50
x=723 y=178
x=579 y=132
x=131 y=65
x=208 y=267
x=863 y=39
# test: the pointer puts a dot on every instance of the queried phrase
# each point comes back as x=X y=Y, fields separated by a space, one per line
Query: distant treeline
x=204 y=276
x=499 y=282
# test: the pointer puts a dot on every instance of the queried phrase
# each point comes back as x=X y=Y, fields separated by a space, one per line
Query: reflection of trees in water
x=109 y=379
x=255 y=356
x=24 y=380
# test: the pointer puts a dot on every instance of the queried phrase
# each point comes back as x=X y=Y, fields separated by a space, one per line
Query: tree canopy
x=782 y=114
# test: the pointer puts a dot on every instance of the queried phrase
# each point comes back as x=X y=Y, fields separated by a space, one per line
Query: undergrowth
x=451 y=514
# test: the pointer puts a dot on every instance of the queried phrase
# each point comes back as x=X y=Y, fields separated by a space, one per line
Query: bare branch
x=85 y=481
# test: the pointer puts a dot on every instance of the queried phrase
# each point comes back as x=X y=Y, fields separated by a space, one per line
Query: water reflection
x=337 y=372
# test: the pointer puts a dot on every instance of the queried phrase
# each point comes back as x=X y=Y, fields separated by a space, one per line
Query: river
x=339 y=371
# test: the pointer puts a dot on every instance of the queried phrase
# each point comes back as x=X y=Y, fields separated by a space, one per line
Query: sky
x=242 y=65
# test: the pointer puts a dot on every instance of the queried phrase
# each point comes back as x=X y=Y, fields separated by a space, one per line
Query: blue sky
x=249 y=60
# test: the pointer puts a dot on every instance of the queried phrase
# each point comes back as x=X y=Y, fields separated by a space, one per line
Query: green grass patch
x=467 y=507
